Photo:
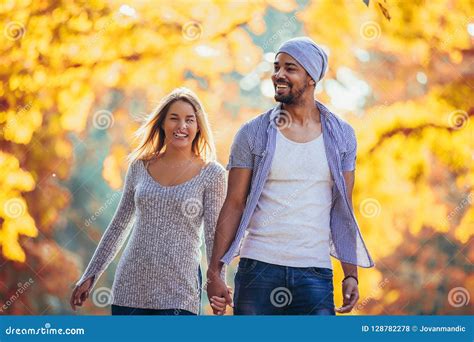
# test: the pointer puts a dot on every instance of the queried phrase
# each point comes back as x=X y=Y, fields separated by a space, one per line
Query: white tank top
x=290 y=225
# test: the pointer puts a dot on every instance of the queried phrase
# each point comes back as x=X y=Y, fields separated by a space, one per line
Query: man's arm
x=230 y=215
x=349 y=177
x=350 y=288
x=227 y=224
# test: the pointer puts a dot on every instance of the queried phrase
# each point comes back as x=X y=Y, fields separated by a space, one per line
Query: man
x=289 y=201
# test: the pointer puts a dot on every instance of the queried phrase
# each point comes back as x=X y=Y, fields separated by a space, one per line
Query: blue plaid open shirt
x=254 y=148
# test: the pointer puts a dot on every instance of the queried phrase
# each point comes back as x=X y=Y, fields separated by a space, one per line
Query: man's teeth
x=282 y=86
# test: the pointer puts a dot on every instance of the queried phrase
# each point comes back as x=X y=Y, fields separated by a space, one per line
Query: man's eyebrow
x=287 y=64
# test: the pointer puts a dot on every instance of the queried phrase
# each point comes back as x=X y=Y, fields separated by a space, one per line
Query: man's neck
x=304 y=112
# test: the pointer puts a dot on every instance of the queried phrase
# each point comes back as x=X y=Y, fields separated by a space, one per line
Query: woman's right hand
x=81 y=293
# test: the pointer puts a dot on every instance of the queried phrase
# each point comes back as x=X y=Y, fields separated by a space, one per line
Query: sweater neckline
x=142 y=162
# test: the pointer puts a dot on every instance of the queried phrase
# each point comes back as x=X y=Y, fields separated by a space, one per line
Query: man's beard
x=291 y=98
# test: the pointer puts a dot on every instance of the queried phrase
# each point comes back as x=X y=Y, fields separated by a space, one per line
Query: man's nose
x=277 y=75
x=280 y=76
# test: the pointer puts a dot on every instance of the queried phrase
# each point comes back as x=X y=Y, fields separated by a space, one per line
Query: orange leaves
x=13 y=208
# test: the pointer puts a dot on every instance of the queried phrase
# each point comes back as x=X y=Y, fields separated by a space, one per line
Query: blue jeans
x=267 y=289
x=131 y=311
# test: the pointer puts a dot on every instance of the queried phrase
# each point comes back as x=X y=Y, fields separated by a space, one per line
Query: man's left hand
x=350 y=291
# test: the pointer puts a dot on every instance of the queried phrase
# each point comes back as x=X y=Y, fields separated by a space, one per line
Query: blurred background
x=77 y=77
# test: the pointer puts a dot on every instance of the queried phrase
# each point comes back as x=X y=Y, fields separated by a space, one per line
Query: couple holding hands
x=285 y=207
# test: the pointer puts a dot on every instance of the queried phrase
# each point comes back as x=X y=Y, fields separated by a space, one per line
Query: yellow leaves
x=21 y=124
x=13 y=176
x=74 y=105
x=205 y=55
x=113 y=165
x=63 y=149
x=408 y=155
x=283 y=6
x=13 y=208
x=391 y=296
x=257 y=24
x=246 y=54
x=10 y=232
x=466 y=228
x=80 y=23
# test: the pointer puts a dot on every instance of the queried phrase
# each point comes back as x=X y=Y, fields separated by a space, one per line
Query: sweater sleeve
x=117 y=231
x=214 y=196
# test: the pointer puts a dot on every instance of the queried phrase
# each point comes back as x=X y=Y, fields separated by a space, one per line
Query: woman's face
x=180 y=125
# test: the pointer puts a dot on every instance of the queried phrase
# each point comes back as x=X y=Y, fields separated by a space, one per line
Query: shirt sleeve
x=117 y=231
x=349 y=157
x=240 y=155
x=214 y=196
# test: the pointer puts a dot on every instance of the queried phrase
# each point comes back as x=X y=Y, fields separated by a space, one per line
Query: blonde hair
x=152 y=136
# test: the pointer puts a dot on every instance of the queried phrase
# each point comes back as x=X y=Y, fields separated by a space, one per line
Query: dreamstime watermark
x=458 y=119
x=100 y=211
x=192 y=30
x=21 y=289
x=102 y=297
x=280 y=297
x=14 y=30
x=12 y=123
x=370 y=30
x=370 y=207
x=191 y=208
x=191 y=301
x=96 y=36
x=286 y=204
x=103 y=119
x=465 y=201
x=371 y=295
x=458 y=296
x=46 y=330
x=282 y=120
x=280 y=31
x=14 y=208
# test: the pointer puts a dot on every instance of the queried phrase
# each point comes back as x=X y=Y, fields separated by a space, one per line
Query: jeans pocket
x=246 y=265
x=322 y=272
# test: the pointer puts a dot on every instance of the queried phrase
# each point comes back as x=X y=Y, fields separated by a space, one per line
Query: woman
x=172 y=185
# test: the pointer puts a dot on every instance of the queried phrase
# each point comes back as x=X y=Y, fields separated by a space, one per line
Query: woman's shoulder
x=215 y=169
x=215 y=166
x=135 y=164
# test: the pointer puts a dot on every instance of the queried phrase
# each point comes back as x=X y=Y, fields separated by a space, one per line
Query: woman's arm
x=116 y=232
x=214 y=196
